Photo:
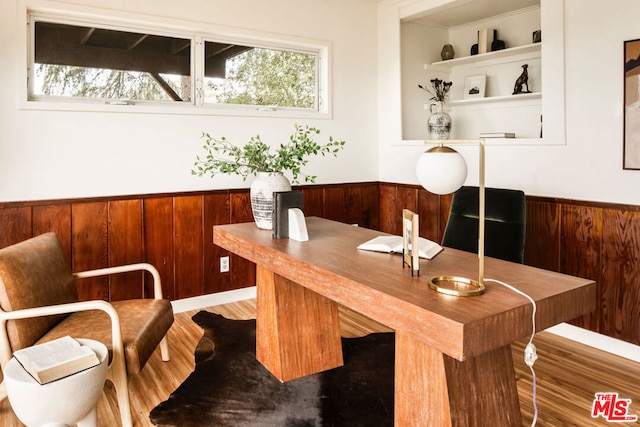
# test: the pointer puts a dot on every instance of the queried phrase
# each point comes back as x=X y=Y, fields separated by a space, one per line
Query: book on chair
x=56 y=359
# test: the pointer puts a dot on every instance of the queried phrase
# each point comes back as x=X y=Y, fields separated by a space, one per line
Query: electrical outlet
x=224 y=264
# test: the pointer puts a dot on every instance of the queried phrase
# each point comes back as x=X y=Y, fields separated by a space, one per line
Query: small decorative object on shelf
x=536 y=36
x=540 y=125
x=439 y=122
x=497 y=44
x=522 y=81
x=447 y=52
x=474 y=86
x=484 y=44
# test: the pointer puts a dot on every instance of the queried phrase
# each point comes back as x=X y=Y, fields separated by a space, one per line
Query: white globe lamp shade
x=441 y=170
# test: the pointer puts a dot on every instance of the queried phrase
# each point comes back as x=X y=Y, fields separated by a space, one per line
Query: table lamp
x=442 y=170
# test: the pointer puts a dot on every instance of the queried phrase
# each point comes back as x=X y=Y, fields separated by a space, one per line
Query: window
x=84 y=62
x=259 y=76
x=107 y=63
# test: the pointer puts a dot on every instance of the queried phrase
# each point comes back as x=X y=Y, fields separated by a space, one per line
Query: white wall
x=589 y=166
x=46 y=154
x=56 y=154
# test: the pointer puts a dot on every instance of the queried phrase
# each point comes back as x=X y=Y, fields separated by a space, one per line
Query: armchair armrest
x=116 y=334
x=118 y=366
x=157 y=284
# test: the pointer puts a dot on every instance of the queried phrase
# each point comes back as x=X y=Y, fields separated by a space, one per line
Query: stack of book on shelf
x=56 y=359
x=498 y=135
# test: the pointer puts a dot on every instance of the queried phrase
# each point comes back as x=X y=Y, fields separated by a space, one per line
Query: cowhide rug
x=229 y=387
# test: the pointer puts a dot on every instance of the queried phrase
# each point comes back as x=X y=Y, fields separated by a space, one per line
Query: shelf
x=498 y=54
x=507 y=98
x=499 y=109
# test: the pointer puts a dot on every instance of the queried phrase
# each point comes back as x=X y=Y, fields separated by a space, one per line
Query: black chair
x=505 y=222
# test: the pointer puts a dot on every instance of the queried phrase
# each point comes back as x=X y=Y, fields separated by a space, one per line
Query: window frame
x=197 y=32
x=273 y=45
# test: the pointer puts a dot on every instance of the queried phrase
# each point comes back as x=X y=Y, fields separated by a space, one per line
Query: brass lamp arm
x=481 y=217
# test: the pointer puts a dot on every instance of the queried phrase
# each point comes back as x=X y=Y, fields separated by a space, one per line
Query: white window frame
x=31 y=10
x=266 y=44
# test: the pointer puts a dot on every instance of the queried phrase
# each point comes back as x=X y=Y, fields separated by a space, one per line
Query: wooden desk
x=453 y=357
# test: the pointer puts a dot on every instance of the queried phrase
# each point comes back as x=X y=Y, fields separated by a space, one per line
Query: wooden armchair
x=39 y=302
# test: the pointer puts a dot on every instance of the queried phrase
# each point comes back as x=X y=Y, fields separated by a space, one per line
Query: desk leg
x=297 y=330
x=433 y=389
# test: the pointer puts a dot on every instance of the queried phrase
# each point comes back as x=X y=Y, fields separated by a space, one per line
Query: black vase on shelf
x=497 y=44
x=536 y=37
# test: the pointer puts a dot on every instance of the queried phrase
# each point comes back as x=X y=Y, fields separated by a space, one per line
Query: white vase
x=261 y=192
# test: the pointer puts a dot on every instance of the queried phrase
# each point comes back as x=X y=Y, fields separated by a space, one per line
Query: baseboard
x=565 y=330
x=209 y=300
x=596 y=340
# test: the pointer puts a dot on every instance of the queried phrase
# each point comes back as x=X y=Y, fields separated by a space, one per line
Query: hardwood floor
x=568 y=374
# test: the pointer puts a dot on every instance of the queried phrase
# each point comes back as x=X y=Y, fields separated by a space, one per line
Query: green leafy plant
x=256 y=156
x=439 y=90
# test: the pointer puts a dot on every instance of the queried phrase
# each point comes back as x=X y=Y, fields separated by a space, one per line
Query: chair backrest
x=34 y=273
x=505 y=223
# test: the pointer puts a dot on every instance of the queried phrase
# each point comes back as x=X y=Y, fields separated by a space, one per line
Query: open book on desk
x=428 y=248
x=56 y=359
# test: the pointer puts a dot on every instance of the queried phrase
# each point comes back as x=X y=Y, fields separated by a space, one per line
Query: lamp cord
x=530 y=354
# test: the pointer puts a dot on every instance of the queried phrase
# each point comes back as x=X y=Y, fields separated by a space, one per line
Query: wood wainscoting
x=594 y=240
x=174 y=232
x=598 y=241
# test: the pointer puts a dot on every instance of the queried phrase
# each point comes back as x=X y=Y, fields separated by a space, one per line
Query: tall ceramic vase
x=261 y=192
x=439 y=122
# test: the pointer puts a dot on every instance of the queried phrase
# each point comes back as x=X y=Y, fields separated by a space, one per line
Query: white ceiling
x=463 y=11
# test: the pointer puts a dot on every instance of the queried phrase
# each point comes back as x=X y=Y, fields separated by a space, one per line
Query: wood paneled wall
x=597 y=241
x=174 y=232
x=171 y=231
